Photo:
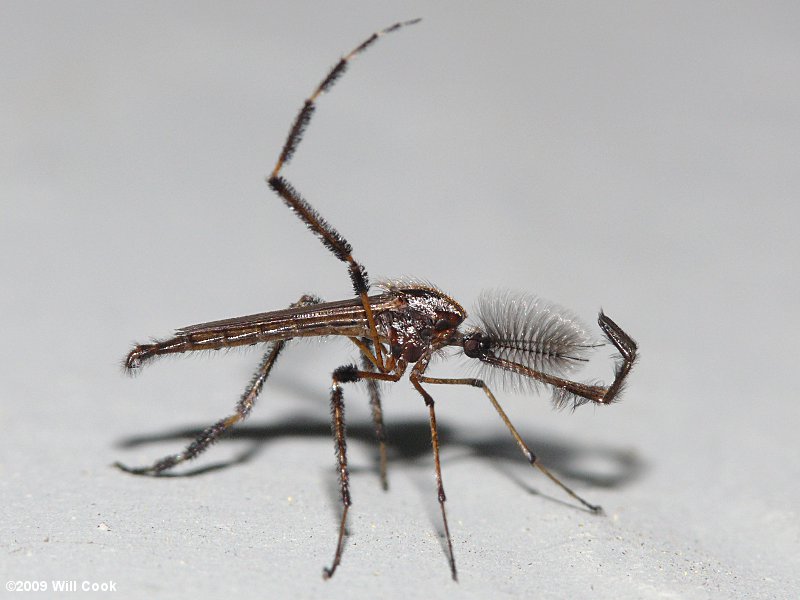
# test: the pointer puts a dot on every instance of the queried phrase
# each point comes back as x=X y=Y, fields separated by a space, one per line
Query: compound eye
x=476 y=345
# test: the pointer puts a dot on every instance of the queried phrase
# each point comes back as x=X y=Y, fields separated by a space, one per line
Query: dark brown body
x=409 y=320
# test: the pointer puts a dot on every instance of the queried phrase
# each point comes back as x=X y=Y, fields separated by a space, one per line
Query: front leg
x=526 y=451
x=416 y=377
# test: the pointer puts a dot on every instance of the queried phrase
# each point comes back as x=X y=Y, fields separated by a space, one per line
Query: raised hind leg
x=331 y=238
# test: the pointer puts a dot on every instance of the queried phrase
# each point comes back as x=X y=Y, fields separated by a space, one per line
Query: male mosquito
x=520 y=340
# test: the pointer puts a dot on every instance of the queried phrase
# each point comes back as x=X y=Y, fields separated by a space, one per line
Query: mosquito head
x=521 y=328
x=523 y=341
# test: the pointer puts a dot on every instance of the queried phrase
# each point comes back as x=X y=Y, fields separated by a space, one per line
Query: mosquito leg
x=346 y=374
x=340 y=247
x=211 y=434
x=377 y=416
x=627 y=349
x=532 y=459
x=415 y=381
x=340 y=375
x=304 y=116
x=566 y=391
x=329 y=236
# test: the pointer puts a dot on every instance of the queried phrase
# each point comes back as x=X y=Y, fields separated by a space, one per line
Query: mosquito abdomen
x=144 y=352
x=218 y=337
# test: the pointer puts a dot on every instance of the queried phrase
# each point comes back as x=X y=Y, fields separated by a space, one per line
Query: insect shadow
x=409 y=442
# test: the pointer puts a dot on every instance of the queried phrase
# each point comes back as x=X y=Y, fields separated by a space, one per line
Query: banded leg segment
x=211 y=434
x=339 y=246
x=329 y=236
x=529 y=455
x=303 y=118
x=337 y=424
x=345 y=374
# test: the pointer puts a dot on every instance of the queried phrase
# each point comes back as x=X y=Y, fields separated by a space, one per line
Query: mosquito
x=518 y=341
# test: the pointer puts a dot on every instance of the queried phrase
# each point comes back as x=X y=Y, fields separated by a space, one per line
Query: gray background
x=638 y=156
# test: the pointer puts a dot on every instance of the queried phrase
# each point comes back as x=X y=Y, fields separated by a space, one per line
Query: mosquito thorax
x=426 y=319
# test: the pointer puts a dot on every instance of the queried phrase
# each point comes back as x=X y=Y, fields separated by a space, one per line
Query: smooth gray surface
x=638 y=156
